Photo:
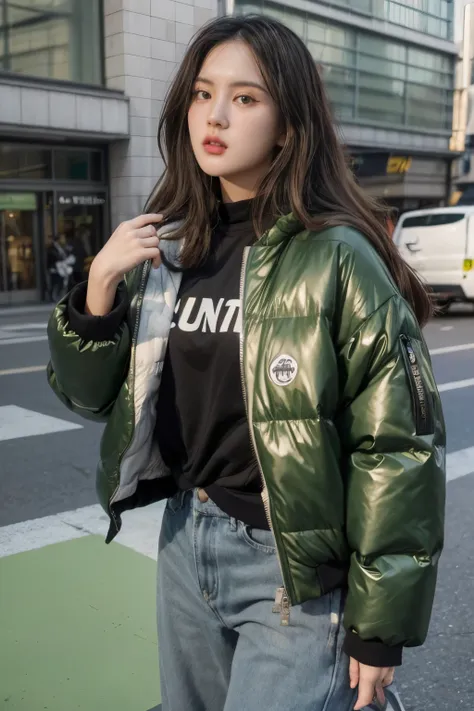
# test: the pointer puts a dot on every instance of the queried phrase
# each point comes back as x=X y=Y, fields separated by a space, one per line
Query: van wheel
x=442 y=307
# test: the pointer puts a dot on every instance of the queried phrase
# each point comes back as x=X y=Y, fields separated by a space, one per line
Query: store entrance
x=80 y=224
x=48 y=240
x=20 y=273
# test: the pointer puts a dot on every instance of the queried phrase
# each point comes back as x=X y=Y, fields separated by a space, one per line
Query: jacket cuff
x=371 y=652
x=96 y=328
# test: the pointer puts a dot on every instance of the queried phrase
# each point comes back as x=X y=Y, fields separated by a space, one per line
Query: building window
x=71 y=165
x=431 y=17
x=21 y=162
x=54 y=39
x=373 y=78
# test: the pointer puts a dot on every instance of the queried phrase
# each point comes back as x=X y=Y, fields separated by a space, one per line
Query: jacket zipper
x=282 y=600
x=141 y=291
x=420 y=396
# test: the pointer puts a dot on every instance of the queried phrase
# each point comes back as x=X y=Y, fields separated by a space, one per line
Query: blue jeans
x=221 y=646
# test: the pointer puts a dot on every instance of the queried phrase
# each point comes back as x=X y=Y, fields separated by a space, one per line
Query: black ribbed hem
x=96 y=328
x=372 y=653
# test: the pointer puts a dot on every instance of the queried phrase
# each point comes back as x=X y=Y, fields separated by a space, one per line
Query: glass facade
x=53 y=206
x=17 y=236
x=431 y=17
x=53 y=39
x=20 y=161
x=372 y=78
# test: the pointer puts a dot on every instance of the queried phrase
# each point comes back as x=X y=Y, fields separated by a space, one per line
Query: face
x=232 y=106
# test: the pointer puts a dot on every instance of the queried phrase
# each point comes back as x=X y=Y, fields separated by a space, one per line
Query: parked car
x=439 y=244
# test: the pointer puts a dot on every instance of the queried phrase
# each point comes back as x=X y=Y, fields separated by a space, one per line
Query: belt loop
x=233 y=523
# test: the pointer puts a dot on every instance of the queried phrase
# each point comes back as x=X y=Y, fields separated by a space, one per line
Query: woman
x=268 y=376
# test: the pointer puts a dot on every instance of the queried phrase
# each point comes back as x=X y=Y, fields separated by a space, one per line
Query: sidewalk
x=77 y=622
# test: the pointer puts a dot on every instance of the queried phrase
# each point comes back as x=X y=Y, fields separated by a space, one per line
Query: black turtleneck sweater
x=202 y=426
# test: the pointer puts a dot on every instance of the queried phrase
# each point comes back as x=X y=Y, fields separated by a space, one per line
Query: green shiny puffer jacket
x=343 y=409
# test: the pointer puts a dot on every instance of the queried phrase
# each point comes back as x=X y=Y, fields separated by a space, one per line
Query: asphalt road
x=46 y=474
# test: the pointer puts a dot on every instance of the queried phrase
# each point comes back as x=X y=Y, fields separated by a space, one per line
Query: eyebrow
x=235 y=84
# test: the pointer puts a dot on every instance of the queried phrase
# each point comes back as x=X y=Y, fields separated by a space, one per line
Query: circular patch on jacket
x=283 y=370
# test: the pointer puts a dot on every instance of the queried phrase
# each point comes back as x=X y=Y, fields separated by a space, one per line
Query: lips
x=214 y=145
x=214 y=141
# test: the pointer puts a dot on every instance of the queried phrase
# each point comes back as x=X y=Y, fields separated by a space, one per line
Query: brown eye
x=201 y=94
x=245 y=100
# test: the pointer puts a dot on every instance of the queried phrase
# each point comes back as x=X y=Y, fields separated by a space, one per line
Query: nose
x=217 y=116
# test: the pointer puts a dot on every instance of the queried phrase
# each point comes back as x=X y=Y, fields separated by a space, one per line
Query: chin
x=214 y=171
x=211 y=172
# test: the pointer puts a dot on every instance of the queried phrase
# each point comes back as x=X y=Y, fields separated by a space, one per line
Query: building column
x=144 y=42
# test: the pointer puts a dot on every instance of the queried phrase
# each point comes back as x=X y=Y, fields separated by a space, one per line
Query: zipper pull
x=278 y=598
x=285 y=610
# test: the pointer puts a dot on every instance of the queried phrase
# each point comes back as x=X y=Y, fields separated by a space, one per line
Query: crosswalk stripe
x=141 y=526
x=6 y=340
x=460 y=463
x=25 y=326
x=139 y=532
x=19 y=371
x=452 y=349
x=456 y=385
x=22 y=339
x=17 y=422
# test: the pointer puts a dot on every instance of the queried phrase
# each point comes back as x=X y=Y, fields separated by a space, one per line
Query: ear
x=281 y=140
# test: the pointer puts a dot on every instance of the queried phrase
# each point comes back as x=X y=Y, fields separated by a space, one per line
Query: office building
x=82 y=84
x=389 y=67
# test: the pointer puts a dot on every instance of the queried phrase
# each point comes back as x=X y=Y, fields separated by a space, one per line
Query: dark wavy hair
x=308 y=176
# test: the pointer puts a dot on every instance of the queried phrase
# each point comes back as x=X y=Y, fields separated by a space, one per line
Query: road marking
x=19 y=371
x=460 y=463
x=24 y=326
x=140 y=526
x=20 y=310
x=452 y=349
x=22 y=339
x=140 y=530
x=456 y=385
x=6 y=341
x=16 y=422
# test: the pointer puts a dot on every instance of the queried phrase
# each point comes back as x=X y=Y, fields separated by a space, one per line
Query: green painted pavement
x=77 y=629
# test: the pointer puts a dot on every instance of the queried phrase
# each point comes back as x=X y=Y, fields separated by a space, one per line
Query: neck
x=235 y=193
x=242 y=187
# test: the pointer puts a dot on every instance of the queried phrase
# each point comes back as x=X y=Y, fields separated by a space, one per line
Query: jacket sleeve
x=393 y=436
x=89 y=355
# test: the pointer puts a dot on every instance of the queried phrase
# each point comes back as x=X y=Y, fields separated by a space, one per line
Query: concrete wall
x=32 y=110
x=144 y=42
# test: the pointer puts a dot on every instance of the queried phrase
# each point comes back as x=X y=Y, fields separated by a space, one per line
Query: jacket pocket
x=420 y=395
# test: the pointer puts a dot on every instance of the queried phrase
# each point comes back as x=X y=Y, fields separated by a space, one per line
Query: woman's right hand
x=132 y=243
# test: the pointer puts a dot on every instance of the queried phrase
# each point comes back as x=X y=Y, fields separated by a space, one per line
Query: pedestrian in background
x=261 y=366
x=60 y=265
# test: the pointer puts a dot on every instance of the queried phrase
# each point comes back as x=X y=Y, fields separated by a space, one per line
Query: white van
x=439 y=245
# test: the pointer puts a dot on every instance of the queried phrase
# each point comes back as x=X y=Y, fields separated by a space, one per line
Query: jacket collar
x=285 y=227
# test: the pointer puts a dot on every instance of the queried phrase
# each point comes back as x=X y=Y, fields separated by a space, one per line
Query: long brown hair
x=309 y=175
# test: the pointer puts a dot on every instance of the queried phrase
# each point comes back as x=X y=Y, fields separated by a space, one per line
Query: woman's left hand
x=370 y=680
